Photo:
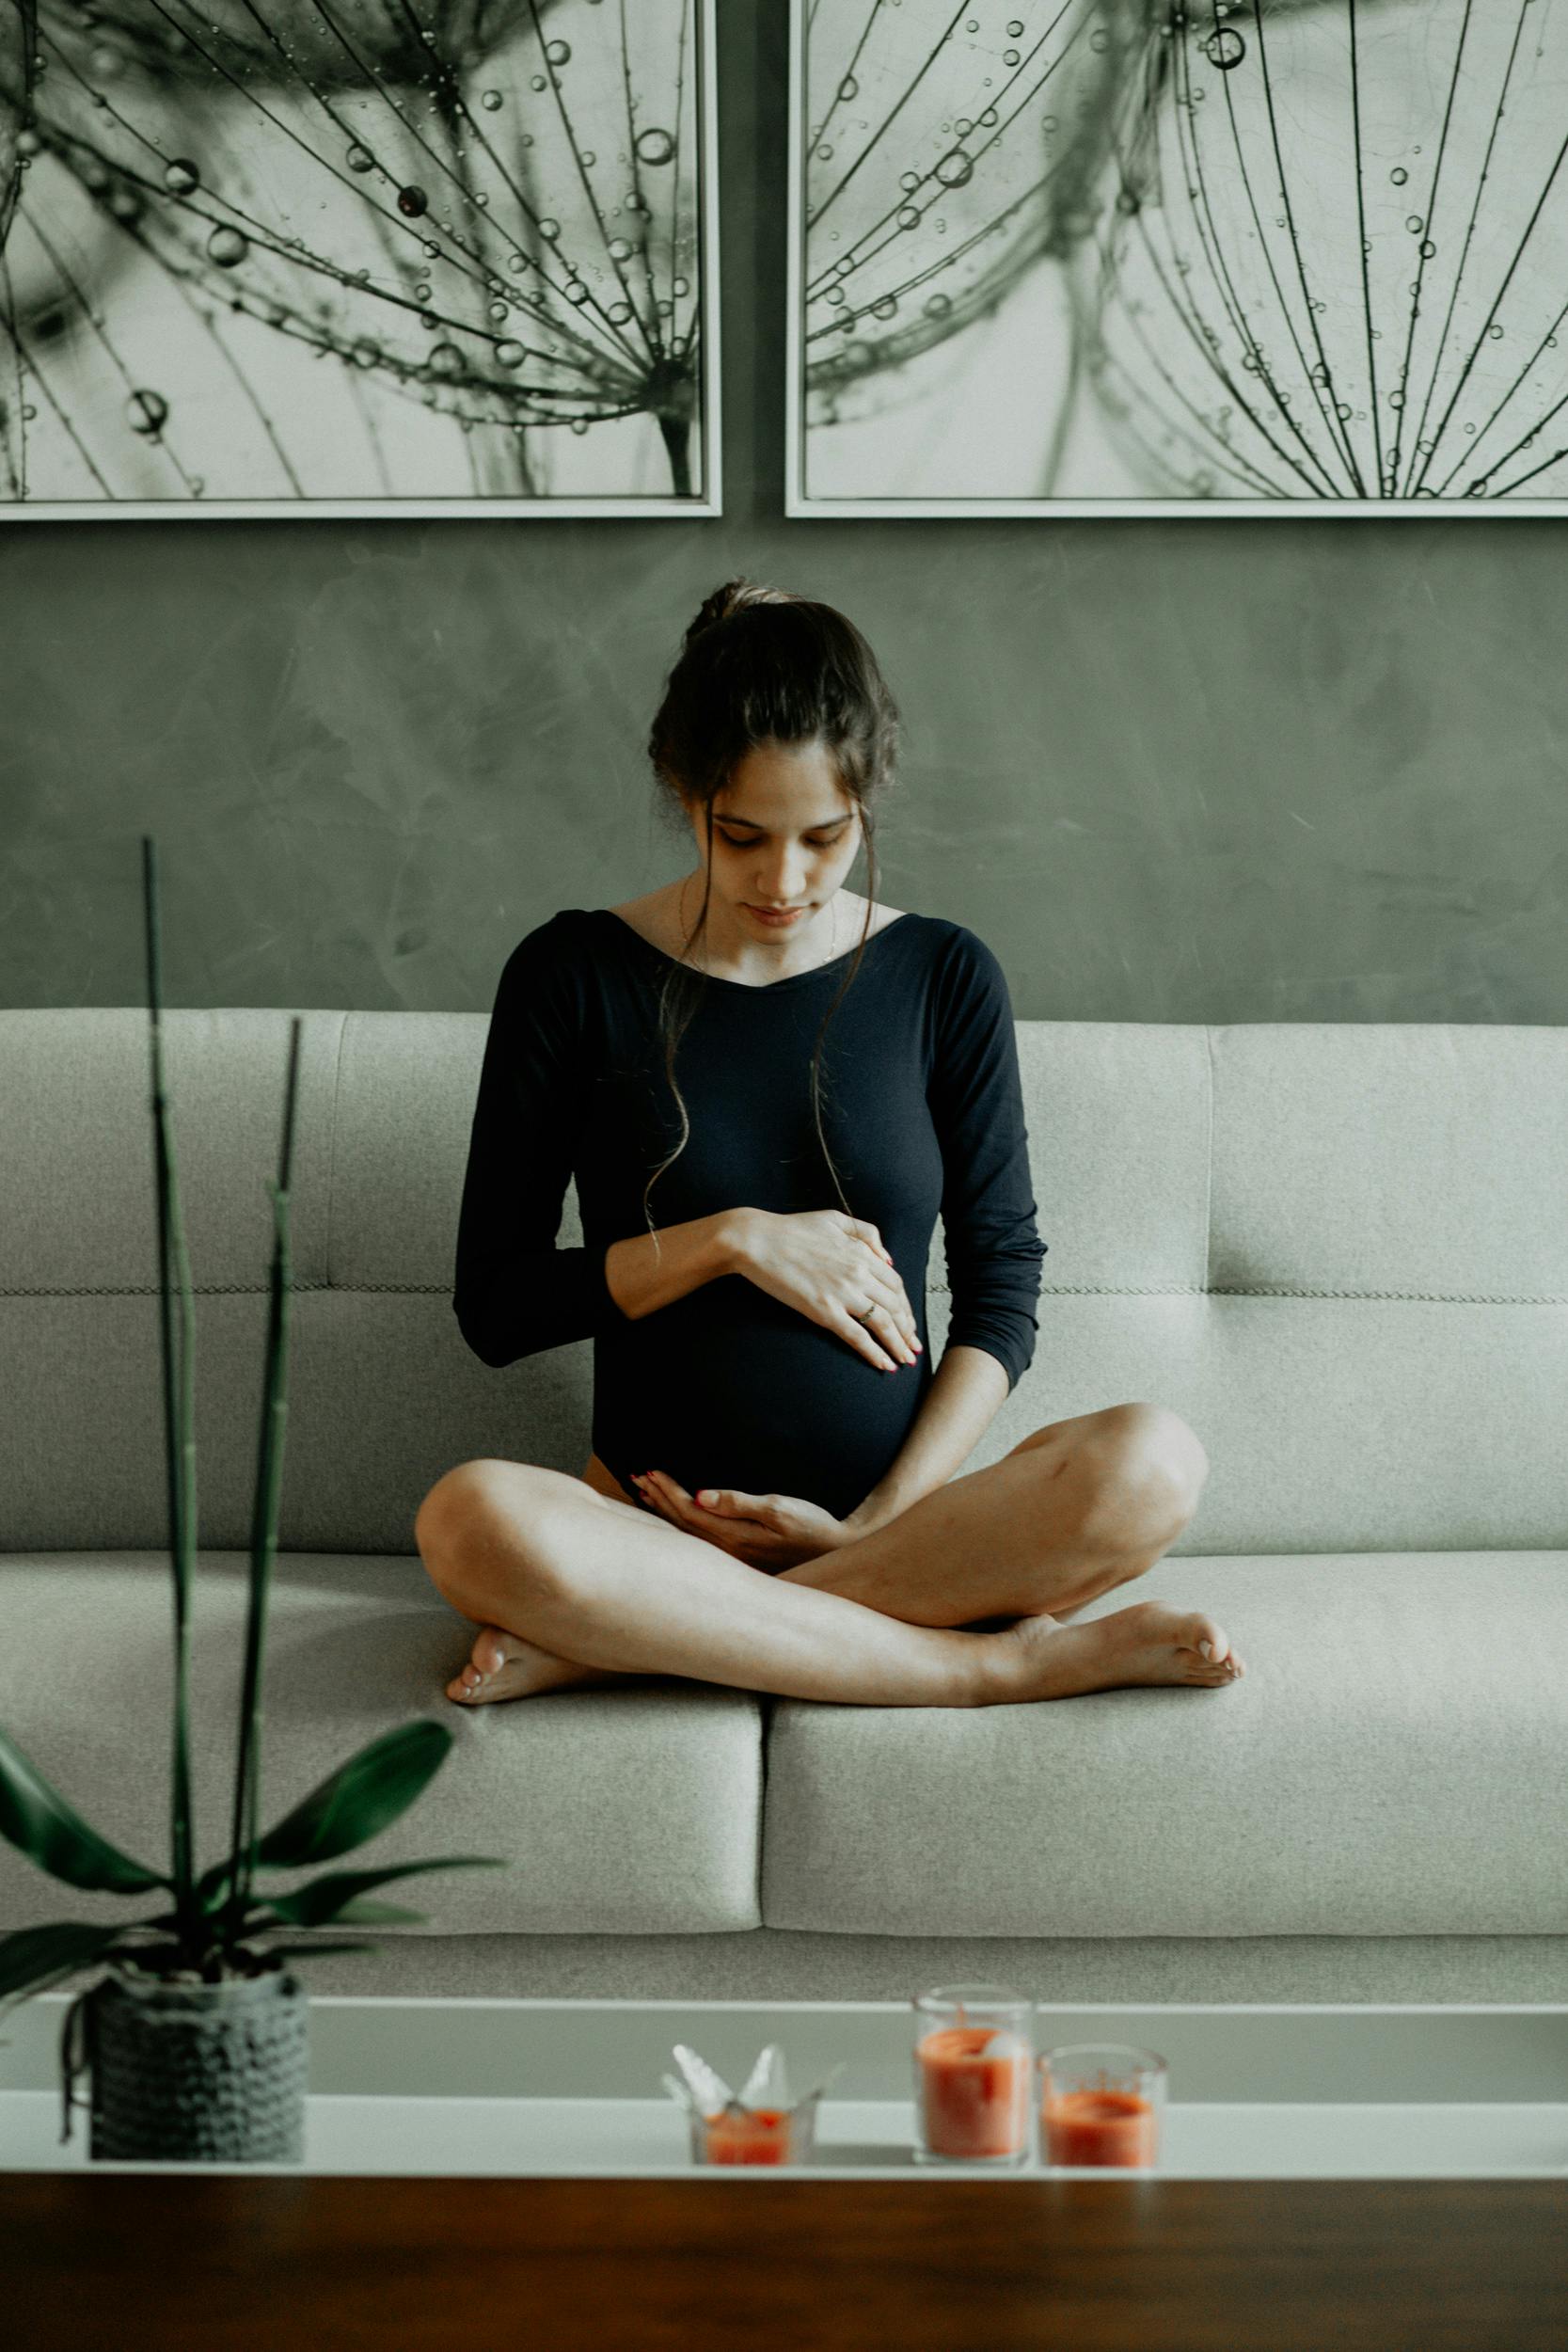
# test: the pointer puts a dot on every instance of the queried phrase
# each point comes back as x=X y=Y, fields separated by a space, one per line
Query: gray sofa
x=1341 y=1251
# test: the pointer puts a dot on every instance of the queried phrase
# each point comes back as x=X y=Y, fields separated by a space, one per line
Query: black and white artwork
x=1135 y=256
x=277 y=257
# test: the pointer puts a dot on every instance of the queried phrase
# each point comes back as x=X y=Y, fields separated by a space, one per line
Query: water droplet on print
x=500 y=310
x=559 y=53
x=580 y=425
x=537 y=81
x=1414 y=224
x=549 y=228
x=907 y=217
x=180 y=175
x=680 y=285
x=1428 y=249
x=848 y=87
x=618 y=313
x=654 y=147
x=228 y=247
x=510 y=354
x=1224 y=49
x=412 y=202
x=147 y=413
x=491 y=100
x=886 y=308
x=1399 y=175
x=938 y=306
x=577 y=292
x=445 y=359
x=359 y=158
x=1496 y=333
x=1015 y=28
x=1010 y=57
x=955 y=169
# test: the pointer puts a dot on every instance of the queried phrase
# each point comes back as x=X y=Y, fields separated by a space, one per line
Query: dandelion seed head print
x=1335 y=263
x=1245 y=251
x=355 y=248
x=947 y=150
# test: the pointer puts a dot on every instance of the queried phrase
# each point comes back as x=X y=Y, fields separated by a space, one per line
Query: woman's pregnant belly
x=730 y=1388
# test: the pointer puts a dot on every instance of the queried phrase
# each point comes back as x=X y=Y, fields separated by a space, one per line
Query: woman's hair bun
x=735 y=595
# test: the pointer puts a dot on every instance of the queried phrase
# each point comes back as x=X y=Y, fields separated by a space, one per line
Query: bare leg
x=1074 y=1510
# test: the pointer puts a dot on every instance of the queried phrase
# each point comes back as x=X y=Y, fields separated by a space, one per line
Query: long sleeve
x=988 y=1207
x=515 y=1292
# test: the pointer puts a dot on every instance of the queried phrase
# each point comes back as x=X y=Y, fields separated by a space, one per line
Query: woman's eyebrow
x=825 y=825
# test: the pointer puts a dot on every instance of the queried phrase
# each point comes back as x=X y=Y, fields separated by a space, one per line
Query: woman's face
x=785 y=836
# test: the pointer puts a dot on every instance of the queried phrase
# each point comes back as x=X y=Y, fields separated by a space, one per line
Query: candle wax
x=1099 y=2127
x=974 y=2092
x=761 y=2136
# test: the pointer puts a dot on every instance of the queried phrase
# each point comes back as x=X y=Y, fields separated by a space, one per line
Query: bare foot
x=1148 y=1643
x=502 y=1665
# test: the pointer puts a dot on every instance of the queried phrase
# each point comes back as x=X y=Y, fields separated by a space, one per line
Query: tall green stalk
x=264 y=1512
x=179 y=1369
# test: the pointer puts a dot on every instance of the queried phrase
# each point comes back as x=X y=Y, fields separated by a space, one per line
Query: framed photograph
x=1178 y=257
x=358 y=257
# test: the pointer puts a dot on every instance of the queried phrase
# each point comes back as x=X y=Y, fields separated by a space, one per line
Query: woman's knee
x=483 y=1513
x=1143 y=1469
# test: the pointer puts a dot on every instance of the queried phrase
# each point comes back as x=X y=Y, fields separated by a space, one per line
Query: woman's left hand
x=764 y=1531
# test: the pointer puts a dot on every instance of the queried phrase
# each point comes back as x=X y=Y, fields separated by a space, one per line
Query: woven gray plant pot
x=195 y=2073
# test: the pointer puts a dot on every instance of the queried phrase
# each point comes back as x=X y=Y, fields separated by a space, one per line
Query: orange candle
x=1099 y=2127
x=757 y=2136
x=975 y=2099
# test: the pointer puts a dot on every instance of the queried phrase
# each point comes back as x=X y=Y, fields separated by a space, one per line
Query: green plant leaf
x=360 y=1799
x=36 y=1818
x=31 y=1954
x=321 y=1901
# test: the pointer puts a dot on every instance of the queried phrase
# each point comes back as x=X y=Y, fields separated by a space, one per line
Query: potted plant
x=196 y=2040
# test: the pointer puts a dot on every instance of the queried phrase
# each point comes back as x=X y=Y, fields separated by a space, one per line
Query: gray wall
x=1257 y=770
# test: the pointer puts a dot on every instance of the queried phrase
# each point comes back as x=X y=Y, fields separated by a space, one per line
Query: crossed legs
x=568 y=1585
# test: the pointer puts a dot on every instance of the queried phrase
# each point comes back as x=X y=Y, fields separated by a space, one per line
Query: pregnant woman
x=766 y=1088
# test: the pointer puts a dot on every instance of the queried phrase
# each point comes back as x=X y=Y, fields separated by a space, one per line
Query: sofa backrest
x=1340 y=1250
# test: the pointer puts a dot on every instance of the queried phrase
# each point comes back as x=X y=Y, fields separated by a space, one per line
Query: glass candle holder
x=973 y=2058
x=741 y=2135
x=1101 y=2102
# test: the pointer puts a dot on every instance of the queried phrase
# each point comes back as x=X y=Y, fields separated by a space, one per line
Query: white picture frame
x=621 y=444
x=970 y=434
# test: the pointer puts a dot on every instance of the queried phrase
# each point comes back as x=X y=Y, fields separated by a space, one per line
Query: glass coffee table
x=504 y=2089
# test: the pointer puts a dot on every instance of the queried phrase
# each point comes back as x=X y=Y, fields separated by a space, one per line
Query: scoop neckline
x=749 y=988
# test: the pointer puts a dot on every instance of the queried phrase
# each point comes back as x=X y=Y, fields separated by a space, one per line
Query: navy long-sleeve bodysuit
x=923 y=1110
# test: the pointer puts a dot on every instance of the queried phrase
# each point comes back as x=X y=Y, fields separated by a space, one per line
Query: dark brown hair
x=761 y=667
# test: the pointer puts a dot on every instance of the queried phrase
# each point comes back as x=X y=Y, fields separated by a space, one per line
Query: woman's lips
x=769 y=914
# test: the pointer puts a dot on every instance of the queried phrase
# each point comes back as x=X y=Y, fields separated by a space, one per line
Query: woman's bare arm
x=645 y=1272
x=966 y=1393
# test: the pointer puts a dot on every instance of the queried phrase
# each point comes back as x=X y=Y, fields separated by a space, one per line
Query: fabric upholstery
x=1338 y=1250
x=626 y=1812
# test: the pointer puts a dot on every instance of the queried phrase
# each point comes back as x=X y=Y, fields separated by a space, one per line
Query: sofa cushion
x=624 y=1811
x=1392 y=1763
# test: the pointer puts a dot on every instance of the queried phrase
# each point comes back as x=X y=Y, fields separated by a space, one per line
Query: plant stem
x=178 y=1430
x=264 y=1513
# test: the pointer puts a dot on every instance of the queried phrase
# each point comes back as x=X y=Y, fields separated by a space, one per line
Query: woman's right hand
x=832 y=1267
